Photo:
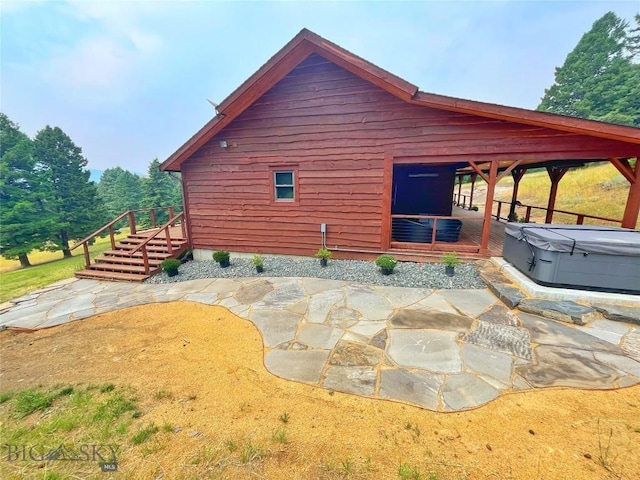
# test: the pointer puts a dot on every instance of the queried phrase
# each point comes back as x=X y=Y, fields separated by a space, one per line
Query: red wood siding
x=337 y=128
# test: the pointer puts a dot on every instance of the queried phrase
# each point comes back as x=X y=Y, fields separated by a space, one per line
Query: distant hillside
x=596 y=190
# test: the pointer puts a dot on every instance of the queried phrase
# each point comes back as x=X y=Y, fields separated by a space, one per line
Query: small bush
x=221 y=256
x=386 y=262
x=170 y=265
x=324 y=254
x=257 y=261
x=450 y=260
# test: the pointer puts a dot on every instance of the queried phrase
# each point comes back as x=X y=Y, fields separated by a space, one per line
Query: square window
x=284 y=186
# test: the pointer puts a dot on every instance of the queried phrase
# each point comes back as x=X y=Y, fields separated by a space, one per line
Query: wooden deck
x=468 y=244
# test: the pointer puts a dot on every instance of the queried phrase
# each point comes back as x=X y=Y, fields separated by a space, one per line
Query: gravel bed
x=406 y=274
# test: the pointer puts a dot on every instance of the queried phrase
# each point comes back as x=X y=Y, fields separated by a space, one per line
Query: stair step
x=153 y=262
x=112 y=267
x=101 y=275
x=120 y=253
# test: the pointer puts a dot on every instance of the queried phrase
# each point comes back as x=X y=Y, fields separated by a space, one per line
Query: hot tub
x=576 y=256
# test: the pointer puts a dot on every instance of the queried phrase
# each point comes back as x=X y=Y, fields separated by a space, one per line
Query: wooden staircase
x=138 y=256
x=120 y=264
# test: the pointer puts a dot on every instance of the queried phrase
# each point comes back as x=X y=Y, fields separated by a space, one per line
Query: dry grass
x=598 y=190
x=209 y=409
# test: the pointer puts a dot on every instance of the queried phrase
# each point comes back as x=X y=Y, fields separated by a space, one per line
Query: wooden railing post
x=171 y=214
x=527 y=215
x=145 y=260
x=168 y=237
x=112 y=237
x=183 y=226
x=87 y=260
x=152 y=215
x=499 y=208
x=132 y=222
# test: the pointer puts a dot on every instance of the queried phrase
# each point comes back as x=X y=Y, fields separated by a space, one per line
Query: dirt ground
x=211 y=362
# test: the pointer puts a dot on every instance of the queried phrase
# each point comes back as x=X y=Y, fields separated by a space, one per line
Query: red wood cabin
x=320 y=136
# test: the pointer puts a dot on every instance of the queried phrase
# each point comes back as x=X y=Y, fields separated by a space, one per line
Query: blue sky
x=128 y=80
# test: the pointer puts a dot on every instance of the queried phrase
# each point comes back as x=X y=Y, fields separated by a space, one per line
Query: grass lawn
x=47 y=268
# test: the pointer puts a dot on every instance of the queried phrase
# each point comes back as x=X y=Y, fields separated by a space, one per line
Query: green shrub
x=170 y=264
x=386 y=262
x=257 y=261
x=450 y=260
x=221 y=256
x=324 y=253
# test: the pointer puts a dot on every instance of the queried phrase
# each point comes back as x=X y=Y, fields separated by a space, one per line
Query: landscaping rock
x=500 y=315
x=619 y=313
x=564 y=311
x=431 y=320
x=502 y=338
x=509 y=295
x=351 y=354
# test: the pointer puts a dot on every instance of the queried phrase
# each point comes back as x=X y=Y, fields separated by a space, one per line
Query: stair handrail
x=132 y=227
x=165 y=228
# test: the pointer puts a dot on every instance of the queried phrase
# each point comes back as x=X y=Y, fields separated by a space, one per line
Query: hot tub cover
x=578 y=238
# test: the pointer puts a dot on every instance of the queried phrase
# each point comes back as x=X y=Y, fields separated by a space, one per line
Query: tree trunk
x=24 y=260
x=65 y=245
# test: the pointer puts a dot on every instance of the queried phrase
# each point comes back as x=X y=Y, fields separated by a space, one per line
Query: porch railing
x=131 y=215
x=433 y=232
x=166 y=229
x=503 y=207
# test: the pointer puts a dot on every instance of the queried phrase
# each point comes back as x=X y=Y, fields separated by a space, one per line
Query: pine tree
x=26 y=222
x=160 y=190
x=77 y=208
x=598 y=79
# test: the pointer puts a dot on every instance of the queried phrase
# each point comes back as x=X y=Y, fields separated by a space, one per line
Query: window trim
x=273 y=170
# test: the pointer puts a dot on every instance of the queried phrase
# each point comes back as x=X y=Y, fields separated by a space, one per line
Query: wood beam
x=632 y=208
x=624 y=167
x=474 y=176
x=555 y=174
x=478 y=171
x=488 y=206
x=459 y=188
x=517 y=176
x=509 y=169
x=387 y=186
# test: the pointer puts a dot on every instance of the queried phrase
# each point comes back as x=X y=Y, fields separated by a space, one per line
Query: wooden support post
x=387 y=186
x=132 y=222
x=632 y=208
x=474 y=176
x=517 y=176
x=152 y=214
x=459 y=188
x=171 y=214
x=555 y=175
x=488 y=206
x=183 y=225
x=145 y=260
x=87 y=259
x=168 y=237
x=112 y=238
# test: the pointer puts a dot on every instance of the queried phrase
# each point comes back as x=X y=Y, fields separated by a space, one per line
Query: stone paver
x=432 y=350
x=464 y=391
x=469 y=302
x=357 y=380
x=565 y=311
x=619 y=313
x=417 y=387
x=443 y=350
x=302 y=365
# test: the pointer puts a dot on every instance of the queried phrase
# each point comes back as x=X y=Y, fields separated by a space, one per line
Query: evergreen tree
x=598 y=79
x=160 y=190
x=78 y=210
x=25 y=218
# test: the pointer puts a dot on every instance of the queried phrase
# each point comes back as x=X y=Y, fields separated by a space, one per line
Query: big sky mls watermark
x=105 y=455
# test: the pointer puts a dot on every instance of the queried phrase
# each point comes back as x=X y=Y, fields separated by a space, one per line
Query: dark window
x=284 y=186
